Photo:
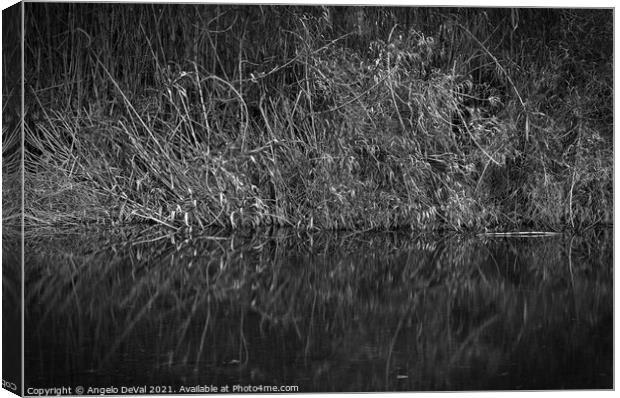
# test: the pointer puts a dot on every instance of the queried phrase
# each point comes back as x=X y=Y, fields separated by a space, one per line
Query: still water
x=322 y=312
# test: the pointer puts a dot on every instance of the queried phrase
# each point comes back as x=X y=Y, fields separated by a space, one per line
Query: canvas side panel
x=12 y=180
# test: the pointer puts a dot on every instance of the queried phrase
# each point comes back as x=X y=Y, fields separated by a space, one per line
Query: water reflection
x=11 y=310
x=326 y=312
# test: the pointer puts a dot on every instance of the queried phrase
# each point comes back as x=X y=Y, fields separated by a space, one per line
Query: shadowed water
x=324 y=312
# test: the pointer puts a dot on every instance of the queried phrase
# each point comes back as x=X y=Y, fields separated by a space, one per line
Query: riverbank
x=327 y=123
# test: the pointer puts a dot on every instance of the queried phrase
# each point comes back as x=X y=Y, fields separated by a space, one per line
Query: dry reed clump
x=322 y=128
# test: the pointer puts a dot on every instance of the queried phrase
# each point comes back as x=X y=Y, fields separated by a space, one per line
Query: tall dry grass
x=317 y=117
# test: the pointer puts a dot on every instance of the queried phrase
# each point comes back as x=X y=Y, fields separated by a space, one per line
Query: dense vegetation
x=318 y=117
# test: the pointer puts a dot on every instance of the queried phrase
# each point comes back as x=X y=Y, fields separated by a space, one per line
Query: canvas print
x=243 y=198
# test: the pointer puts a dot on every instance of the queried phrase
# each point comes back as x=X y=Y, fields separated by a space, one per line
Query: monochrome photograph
x=212 y=198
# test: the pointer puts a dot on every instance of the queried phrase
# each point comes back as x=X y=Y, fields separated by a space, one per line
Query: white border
x=457 y=3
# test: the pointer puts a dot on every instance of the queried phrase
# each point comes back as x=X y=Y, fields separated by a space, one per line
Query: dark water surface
x=324 y=312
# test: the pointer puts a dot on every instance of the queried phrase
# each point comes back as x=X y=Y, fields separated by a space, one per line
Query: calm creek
x=321 y=311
